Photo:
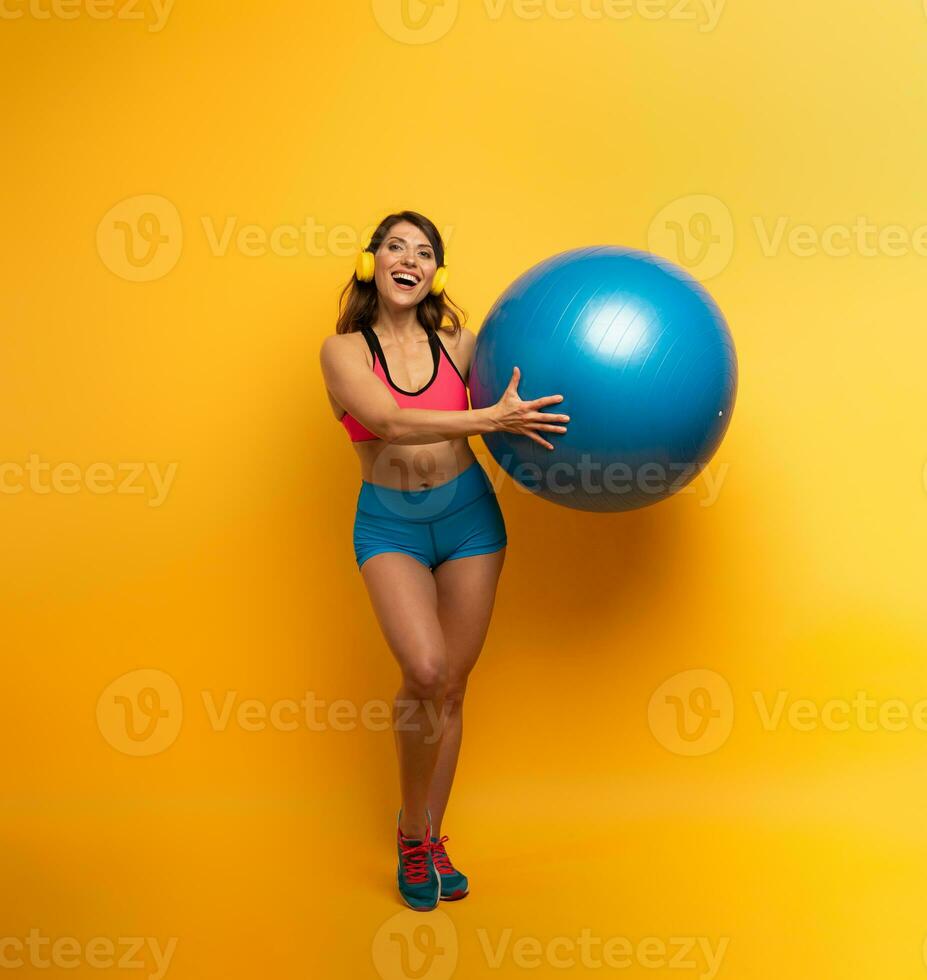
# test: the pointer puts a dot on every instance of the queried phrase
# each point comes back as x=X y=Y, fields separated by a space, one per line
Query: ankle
x=412 y=834
x=415 y=825
x=412 y=830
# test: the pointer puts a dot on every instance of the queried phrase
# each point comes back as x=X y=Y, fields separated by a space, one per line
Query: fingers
x=537 y=438
x=534 y=421
x=546 y=400
x=536 y=427
x=547 y=417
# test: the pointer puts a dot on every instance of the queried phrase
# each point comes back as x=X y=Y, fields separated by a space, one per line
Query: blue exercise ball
x=644 y=360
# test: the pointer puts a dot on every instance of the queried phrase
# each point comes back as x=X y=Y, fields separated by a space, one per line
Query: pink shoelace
x=414 y=861
x=442 y=861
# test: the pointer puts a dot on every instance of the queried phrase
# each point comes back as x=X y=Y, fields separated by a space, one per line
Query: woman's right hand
x=511 y=414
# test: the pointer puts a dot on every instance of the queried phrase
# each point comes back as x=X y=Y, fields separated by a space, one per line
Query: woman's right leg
x=404 y=597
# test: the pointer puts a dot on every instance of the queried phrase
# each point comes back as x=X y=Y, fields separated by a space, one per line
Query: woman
x=429 y=537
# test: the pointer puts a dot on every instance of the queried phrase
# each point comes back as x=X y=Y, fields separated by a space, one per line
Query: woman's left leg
x=466 y=593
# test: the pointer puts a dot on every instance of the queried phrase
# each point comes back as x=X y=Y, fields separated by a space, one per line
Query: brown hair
x=358 y=303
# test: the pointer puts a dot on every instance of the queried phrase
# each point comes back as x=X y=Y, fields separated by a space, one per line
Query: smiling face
x=405 y=265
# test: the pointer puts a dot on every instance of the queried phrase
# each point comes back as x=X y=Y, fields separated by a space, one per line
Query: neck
x=398 y=323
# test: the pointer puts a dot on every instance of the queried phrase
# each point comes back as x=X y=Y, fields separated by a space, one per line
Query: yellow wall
x=797 y=848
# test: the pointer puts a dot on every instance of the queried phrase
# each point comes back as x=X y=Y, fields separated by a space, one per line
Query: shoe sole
x=452 y=896
x=423 y=908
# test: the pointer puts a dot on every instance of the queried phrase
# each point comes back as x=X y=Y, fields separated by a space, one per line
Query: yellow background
x=578 y=805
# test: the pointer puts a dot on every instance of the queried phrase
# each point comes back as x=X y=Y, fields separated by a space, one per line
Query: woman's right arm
x=357 y=389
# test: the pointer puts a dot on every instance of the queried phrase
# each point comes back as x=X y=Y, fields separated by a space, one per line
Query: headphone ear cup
x=440 y=281
x=366 y=264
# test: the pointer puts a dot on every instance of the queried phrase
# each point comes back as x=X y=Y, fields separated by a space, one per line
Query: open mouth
x=405 y=281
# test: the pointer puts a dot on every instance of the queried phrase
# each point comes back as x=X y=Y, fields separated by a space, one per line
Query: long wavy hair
x=358 y=303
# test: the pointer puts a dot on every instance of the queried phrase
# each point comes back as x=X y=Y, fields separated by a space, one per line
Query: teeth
x=406 y=277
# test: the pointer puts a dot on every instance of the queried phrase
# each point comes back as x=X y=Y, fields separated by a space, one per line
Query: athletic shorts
x=452 y=520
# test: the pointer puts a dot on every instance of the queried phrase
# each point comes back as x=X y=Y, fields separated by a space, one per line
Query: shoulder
x=462 y=341
x=459 y=348
x=337 y=347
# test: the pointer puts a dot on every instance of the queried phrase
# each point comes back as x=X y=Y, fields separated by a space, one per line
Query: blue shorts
x=452 y=520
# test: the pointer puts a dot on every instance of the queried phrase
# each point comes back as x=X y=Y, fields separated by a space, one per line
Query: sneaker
x=454 y=884
x=419 y=881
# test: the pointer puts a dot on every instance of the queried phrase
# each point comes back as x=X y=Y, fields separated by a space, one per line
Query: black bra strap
x=449 y=358
x=373 y=343
x=434 y=344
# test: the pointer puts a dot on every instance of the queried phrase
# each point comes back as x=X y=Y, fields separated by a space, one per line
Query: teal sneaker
x=454 y=883
x=419 y=881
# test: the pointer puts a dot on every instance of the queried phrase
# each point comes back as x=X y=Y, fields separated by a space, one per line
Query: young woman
x=429 y=537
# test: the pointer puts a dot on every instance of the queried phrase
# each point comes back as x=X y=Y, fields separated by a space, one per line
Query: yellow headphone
x=366 y=264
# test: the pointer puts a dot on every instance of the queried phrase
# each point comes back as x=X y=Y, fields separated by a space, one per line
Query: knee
x=454 y=695
x=426 y=680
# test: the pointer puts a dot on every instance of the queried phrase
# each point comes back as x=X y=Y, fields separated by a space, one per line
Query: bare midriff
x=413 y=467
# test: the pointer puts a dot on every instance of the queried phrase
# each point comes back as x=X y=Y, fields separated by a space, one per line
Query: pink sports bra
x=446 y=390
